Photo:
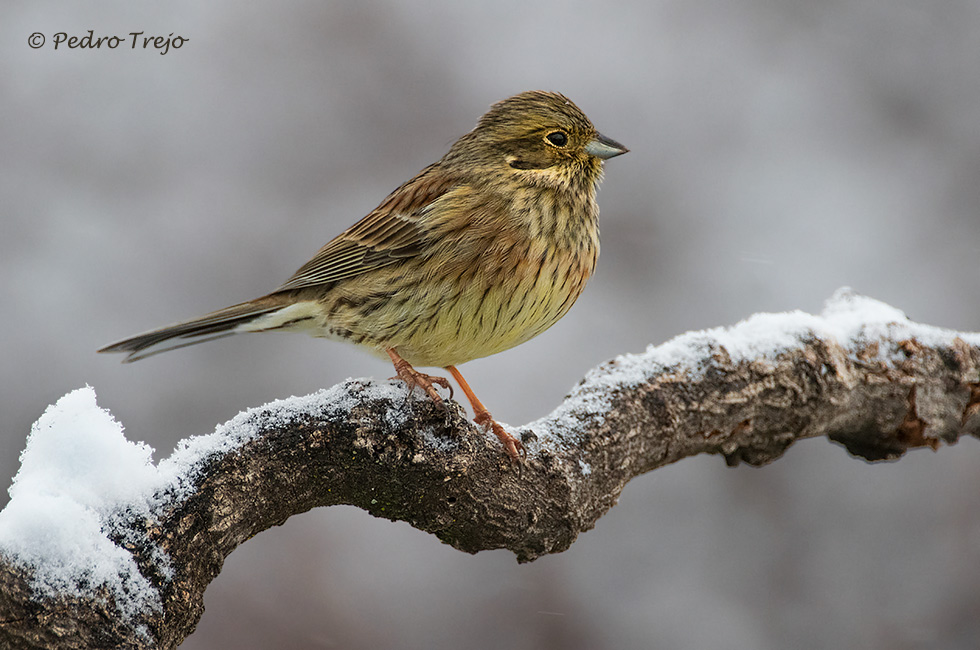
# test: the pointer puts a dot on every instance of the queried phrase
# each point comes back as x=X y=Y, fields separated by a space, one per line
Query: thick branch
x=860 y=374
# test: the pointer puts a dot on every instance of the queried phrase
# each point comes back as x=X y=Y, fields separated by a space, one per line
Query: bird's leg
x=414 y=378
x=514 y=447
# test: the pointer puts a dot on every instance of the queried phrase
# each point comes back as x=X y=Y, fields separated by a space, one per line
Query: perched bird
x=481 y=251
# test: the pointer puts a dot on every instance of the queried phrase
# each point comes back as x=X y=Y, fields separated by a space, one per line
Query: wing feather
x=391 y=232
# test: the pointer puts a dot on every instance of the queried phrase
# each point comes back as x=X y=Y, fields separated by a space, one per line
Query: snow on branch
x=99 y=547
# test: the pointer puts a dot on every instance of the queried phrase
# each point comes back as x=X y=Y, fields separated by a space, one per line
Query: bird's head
x=536 y=138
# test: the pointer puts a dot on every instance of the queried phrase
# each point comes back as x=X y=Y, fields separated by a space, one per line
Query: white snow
x=79 y=475
x=76 y=470
x=852 y=320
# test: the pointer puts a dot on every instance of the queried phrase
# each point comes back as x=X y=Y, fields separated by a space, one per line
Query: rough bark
x=878 y=394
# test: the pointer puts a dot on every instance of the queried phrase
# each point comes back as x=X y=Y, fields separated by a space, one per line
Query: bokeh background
x=779 y=151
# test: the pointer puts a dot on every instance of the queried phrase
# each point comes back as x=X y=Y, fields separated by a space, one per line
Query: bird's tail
x=218 y=324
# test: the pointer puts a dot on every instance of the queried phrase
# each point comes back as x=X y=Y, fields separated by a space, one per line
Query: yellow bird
x=479 y=252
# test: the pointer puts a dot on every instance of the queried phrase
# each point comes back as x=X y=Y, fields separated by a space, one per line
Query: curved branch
x=860 y=374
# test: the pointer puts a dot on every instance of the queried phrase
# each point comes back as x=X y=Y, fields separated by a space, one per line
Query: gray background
x=779 y=151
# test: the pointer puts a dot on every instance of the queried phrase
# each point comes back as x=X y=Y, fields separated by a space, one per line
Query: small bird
x=479 y=252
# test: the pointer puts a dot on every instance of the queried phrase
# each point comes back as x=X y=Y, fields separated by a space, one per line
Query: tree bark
x=884 y=386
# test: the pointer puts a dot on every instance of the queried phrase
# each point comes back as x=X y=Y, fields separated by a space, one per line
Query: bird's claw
x=415 y=379
x=514 y=447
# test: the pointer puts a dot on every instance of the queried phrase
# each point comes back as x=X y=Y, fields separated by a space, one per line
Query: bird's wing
x=392 y=231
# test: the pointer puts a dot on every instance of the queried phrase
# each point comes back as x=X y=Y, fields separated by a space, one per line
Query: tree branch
x=860 y=374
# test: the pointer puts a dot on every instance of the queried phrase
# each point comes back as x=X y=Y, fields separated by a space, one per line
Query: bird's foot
x=513 y=446
x=416 y=379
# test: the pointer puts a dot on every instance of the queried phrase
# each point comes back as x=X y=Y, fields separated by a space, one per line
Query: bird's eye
x=557 y=138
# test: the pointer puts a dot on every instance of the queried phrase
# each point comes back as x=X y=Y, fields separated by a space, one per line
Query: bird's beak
x=602 y=147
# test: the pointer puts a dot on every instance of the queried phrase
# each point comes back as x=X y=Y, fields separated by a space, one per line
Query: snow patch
x=854 y=321
x=81 y=481
x=76 y=471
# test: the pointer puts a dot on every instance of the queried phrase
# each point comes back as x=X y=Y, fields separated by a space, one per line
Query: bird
x=479 y=252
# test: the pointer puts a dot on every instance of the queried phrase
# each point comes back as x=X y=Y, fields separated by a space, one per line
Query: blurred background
x=779 y=151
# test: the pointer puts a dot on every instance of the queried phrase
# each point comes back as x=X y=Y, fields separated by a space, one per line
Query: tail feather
x=216 y=325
